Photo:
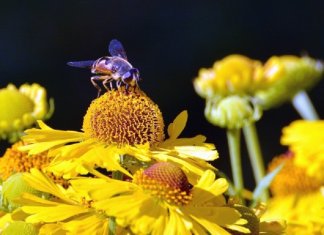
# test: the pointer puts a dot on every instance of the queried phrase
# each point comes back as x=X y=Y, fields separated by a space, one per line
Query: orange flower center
x=291 y=179
x=165 y=181
x=124 y=117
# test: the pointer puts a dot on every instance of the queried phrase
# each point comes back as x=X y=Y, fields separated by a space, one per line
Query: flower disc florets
x=291 y=179
x=124 y=118
x=14 y=161
x=166 y=182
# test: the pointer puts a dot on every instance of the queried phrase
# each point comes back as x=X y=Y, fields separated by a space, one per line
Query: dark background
x=168 y=42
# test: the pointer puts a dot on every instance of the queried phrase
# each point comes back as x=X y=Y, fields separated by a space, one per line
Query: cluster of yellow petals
x=20 y=108
x=286 y=76
x=298 y=188
x=305 y=139
x=266 y=85
x=235 y=74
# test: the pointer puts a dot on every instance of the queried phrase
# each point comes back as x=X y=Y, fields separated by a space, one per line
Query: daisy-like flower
x=233 y=75
x=160 y=200
x=297 y=198
x=20 y=108
x=228 y=88
x=67 y=212
x=287 y=75
x=121 y=123
x=305 y=140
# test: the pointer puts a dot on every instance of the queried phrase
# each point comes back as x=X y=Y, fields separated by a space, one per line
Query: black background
x=168 y=42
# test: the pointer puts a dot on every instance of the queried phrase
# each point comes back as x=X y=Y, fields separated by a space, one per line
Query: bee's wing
x=117 y=49
x=81 y=64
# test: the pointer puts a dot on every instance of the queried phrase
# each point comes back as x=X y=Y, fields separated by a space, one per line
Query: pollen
x=124 y=117
x=165 y=181
x=291 y=179
x=14 y=161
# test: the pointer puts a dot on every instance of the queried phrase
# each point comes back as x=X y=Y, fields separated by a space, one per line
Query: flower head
x=20 y=108
x=291 y=179
x=297 y=198
x=303 y=214
x=228 y=88
x=288 y=75
x=233 y=75
x=305 y=140
x=124 y=118
x=15 y=161
x=160 y=200
x=121 y=123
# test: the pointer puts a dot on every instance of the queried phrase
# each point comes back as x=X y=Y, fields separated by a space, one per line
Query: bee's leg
x=94 y=80
x=106 y=81
x=126 y=88
x=118 y=83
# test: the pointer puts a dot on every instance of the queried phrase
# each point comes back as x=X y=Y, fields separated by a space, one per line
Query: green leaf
x=265 y=183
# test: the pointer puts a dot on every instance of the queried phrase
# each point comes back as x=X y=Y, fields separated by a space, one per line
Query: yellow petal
x=41 y=182
x=176 y=127
x=53 y=213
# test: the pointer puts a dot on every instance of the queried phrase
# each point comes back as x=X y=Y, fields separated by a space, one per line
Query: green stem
x=112 y=221
x=304 y=106
x=233 y=138
x=253 y=147
x=112 y=226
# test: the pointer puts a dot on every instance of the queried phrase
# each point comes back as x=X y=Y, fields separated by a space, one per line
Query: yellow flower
x=297 y=198
x=67 y=213
x=121 y=123
x=291 y=179
x=233 y=75
x=20 y=108
x=160 y=200
x=304 y=214
x=306 y=140
x=14 y=161
x=288 y=75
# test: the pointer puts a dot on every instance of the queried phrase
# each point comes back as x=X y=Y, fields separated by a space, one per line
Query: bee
x=109 y=69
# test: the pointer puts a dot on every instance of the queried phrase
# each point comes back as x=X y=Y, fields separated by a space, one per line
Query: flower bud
x=232 y=112
x=14 y=187
x=20 y=228
x=286 y=76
